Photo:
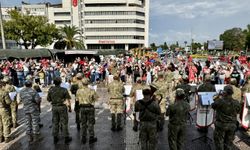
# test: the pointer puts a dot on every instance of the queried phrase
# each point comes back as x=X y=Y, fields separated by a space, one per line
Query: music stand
x=205 y=137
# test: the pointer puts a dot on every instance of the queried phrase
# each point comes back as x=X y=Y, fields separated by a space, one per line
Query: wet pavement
x=107 y=140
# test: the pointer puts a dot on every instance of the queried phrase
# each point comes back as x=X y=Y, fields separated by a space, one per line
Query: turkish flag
x=74 y=3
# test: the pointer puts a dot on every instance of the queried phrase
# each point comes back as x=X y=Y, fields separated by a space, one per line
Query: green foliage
x=174 y=46
x=28 y=30
x=72 y=37
x=247 y=34
x=164 y=46
x=153 y=46
x=234 y=39
x=196 y=45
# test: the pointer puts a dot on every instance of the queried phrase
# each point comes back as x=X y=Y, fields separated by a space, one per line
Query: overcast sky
x=177 y=20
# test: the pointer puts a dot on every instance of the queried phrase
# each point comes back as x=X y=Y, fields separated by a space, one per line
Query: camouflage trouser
x=77 y=111
x=87 y=119
x=148 y=135
x=116 y=106
x=224 y=135
x=13 y=108
x=4 y=123
x=32 y=123
x=60 y=117
x=176 y=135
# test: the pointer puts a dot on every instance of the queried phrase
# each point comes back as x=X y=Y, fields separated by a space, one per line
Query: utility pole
x=2 y=30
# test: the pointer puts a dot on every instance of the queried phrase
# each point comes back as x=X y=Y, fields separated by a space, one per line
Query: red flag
x=74 y=3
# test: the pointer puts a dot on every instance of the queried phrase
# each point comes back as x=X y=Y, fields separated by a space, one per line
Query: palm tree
x=72 y=37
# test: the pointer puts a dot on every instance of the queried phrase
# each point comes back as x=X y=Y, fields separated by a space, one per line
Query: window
x=62 y=14
x=114 y=29
x=115 y=37
x=99 y=13
x=115 y=21
x=62 y=22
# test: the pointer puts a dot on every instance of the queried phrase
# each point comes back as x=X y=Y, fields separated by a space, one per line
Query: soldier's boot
x=135 y=127
x=78 y=126
x=30 y=138
x=40 y=125
x=113 y=128
x=7 y=139
x=15 y=125
x=92 y=140
x=119 y=122
x=68 y=139
x=84 y=140
x=56 y=139
x=1 y=139
x=37 y=137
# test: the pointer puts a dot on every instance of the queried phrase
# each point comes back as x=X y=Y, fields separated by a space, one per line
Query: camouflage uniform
x=75 y=86
x=57 y=96
x=178 y=113
x=169 y=77
x=86 y=98
x=163 y=87
x=4 y=115
x=227 y=109
x=149 y=111
x=31 y=100
x=137 y=86
x=13 y=106
x=237 y=95
x=116 y=90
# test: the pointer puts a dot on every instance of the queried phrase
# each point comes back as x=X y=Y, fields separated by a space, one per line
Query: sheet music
x=12 y=95
x=248 y=99
x=139 y=95
x=206 y=98
x=127 y=89
x=65 y=85
x=219 y=87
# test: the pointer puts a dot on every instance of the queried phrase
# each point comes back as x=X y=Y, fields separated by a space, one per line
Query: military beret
x=229 y=89
x=180 y=92
x=233 y=81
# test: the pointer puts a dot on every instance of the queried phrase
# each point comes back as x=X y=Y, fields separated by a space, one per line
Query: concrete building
x=5 y=14
x=35 y=9
x=115 y=24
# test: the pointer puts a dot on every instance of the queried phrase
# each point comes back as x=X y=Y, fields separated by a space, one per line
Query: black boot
x=113 y=122
x=84 y=140
x=92 y=140
x=1 y=139
x=55 y=139
x=78 y=126
x=68 y=139
x=119 y=122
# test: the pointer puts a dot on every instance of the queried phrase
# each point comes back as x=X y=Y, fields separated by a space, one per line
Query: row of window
x=114 y=29
x=105 y=46
x=62 y=14
x=99 y=13
x=113 y=21
x=62 y=22
x=115 y=37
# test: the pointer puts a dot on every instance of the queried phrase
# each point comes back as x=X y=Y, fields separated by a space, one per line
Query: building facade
x=114 y=24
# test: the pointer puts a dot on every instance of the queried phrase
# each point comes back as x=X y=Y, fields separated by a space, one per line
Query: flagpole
x=2 y=30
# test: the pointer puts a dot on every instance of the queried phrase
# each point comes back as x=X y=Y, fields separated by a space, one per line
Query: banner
x=74 y=3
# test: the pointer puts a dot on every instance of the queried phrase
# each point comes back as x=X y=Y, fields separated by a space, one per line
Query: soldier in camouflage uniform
x=75 y=86
x=185 y=86
x=87 y=98
x=169 y=78
x=4 y=115
x=226 y=109
x=13 y=107
x=138 y=86
x=207 y=86
x=163 y=87
x=116 y=90
x=60 y=99
x=149 y=112
x=237 y=91
x=178 y=114
x=31 y=100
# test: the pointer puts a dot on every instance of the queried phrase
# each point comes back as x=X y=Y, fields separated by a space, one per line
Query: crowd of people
x=164 y=84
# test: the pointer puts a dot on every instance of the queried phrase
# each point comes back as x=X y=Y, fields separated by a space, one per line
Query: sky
x=183 y=20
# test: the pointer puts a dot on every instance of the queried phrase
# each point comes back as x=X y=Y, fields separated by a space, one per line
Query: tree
x=153 y=46
x=196 y=45
x=247 y=34
x=173 y=46
x=72 y=37
x=29 y=30
x=164 y=46
x=234 y=39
